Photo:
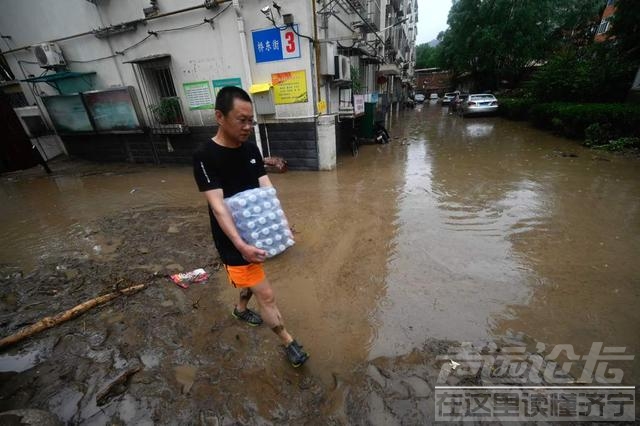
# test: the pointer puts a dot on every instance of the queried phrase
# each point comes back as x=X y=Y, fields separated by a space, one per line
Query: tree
x=498 y=41
x=625 y=28
x=428 y=57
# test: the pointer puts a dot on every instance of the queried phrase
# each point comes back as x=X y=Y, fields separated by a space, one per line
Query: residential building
x=601 y=36
x=136 y=80
x=605 y=24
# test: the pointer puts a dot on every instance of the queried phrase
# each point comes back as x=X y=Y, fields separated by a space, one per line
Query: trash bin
x=369 y=119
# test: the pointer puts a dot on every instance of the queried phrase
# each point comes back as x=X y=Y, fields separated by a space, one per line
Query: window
x=603 y=27
x=155 y=82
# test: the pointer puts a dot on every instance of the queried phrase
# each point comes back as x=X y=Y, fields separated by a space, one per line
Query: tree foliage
x=595 y=74
x=428 y=57
x=498 y=41
x=625 y=29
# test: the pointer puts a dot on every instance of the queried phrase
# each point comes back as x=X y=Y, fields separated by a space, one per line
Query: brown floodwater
x=460 y=229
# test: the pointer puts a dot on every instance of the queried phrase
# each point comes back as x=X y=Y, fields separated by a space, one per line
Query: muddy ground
x=181 y=358
x=168 y=355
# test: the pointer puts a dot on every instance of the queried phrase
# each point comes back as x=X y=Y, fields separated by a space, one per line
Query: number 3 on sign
x=291 y=44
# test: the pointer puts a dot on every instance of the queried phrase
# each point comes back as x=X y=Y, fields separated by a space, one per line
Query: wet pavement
x=459 y=230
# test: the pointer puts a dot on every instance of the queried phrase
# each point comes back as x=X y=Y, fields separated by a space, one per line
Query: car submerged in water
x=419 y=98
x=479 y=103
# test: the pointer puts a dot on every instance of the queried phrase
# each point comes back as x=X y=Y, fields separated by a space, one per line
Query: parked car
x=448 y=97
x=433 y=97
x=419 y=98
x=479 y=103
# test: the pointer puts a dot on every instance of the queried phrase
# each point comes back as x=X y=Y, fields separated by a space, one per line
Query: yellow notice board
x=289 y=87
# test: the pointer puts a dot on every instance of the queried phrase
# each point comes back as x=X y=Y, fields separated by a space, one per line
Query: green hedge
x=515 y=109
x=572 y=120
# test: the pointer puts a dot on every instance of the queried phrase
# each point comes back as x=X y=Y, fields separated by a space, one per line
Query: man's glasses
x=243 y=122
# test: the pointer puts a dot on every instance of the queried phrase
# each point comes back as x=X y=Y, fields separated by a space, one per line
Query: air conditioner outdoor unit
x=343 y=68
x=49 y=55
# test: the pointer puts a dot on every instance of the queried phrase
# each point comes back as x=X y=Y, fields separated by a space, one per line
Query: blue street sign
x=275 y=44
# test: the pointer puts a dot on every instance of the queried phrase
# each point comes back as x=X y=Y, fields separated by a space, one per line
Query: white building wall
x=198 y=54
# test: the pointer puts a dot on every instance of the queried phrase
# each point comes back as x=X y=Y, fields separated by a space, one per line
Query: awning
x=148 y=58
x=389 y=69
x=259 y=88
x=57 y=76
x=65 y=82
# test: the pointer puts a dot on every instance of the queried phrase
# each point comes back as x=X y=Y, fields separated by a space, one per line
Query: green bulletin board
x=68 y=113
x=113 y=110
x=219 y=84
x=198 y=95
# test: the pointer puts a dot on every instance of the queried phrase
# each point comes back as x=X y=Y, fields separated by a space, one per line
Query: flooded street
x=459 y=230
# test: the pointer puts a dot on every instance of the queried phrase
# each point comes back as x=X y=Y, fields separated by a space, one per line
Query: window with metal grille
x=164 y=82
x=155 y=81
x=604 y=26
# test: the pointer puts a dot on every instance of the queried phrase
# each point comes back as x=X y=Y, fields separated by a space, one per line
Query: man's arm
x=264 y=181
x=223 y=216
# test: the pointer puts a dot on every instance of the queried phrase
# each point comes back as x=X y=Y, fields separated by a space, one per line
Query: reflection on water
x=453 y=271
x=525 y=233
x=479 y=129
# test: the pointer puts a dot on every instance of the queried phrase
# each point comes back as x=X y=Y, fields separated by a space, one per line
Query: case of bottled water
x=260 y=220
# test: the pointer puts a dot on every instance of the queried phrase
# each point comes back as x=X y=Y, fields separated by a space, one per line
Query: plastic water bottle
x=246 y=213
x=242 y=202
x=275 y=227
x=277 y=237
x=268 y=241
x=252 y=198
x=257 y=209
x=262 y=220
x=265 y=231
x=251 y=224
x=259 y=244
x=266 y=205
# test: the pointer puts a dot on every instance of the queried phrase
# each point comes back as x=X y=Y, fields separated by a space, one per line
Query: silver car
x=479 y=103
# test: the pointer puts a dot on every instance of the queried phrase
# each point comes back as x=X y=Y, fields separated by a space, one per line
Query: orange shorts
x=245 y=275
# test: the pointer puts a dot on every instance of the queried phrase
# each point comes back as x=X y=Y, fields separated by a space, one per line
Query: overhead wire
x=150 y=33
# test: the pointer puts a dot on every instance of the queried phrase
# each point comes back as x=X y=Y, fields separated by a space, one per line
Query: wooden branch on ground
x=49 y=322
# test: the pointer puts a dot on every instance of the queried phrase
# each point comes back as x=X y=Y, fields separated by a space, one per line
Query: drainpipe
x=245 y=61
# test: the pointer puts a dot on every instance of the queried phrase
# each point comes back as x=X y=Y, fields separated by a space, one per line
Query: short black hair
x=226 y=95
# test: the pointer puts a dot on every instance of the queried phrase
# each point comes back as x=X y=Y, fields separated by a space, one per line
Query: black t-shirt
x=233 y=170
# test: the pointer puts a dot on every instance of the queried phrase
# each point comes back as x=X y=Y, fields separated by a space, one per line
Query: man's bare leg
x=269 y=311
x=271 y=315
x=243 y=301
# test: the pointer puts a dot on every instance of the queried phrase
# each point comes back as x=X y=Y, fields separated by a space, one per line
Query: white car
x=433 y=97
x=446 y=100
x=479 y=103
x=419 y=98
